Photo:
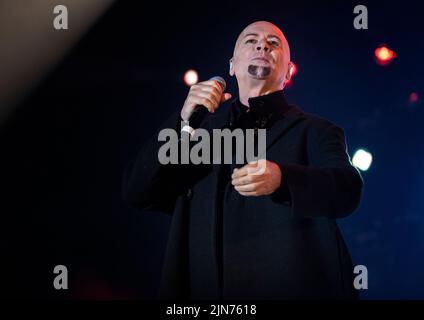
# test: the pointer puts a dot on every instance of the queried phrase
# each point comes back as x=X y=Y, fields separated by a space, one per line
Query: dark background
x=64 y=150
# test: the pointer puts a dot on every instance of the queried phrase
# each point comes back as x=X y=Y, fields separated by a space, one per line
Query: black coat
x=266 y=247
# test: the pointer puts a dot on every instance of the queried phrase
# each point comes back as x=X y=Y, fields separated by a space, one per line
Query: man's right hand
x=206 y=93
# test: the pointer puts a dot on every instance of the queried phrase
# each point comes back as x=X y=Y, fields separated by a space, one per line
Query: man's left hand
x=258 y=178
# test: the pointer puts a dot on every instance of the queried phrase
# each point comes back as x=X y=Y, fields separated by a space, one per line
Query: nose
x=263 y=44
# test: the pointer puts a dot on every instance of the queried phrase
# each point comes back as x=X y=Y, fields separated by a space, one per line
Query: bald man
x=236 y=234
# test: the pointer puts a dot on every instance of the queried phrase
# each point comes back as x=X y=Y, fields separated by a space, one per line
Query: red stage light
x=294 y=69
x=288 y=83
x=384 y=55
x=413 y=97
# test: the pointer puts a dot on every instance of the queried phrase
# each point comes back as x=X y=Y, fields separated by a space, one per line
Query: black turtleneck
x=262 y=113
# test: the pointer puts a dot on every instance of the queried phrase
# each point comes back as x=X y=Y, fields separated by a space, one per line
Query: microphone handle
x=197 y=116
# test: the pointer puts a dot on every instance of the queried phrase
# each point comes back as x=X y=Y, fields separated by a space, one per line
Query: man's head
x=261 y=56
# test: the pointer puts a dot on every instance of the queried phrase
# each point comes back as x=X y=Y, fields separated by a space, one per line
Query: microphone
x=201 y=111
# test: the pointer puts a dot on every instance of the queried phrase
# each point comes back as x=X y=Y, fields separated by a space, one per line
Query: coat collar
x=273 y=103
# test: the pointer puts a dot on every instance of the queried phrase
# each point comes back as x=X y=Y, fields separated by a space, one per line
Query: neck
x=249 y=91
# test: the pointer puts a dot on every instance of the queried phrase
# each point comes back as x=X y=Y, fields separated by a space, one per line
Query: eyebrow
x=269 y=36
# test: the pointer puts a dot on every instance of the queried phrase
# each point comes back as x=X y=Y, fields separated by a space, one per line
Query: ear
x=231 y=71
x=289 y=71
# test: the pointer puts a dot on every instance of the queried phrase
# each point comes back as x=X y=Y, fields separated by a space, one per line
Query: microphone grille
x=220 y=81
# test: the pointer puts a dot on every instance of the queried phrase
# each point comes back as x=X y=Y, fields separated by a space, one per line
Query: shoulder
x=316 y=124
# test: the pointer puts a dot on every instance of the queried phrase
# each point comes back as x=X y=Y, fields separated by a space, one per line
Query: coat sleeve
x=329 y=186
x=150 y=185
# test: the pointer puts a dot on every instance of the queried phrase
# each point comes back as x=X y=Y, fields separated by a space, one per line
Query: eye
x=251 y=41
x=274 y=43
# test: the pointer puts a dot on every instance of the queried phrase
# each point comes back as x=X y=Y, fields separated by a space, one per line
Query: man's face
x=261 y=53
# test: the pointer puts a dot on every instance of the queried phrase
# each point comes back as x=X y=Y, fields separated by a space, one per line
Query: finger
x=201 y=101
x=261 y=167
x=204 y=94
x=210 y=87
x=239 y=172
x=247 y=187
x=213 y=83
x=258 y=167
x=242 y=181
x=225 y=97
x=199 y=87
x=253 y=168
x=243 y=170
x=210 y=91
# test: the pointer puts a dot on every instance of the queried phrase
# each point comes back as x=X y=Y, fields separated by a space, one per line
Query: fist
x=258 y=178
x=206 y=93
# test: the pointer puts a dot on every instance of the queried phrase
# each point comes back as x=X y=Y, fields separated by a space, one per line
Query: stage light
x=362 y=159
x=288 y=83
x=384 y=55
x=31 y=47
x=191 y=77
x=294 y=69
x=413 y=97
